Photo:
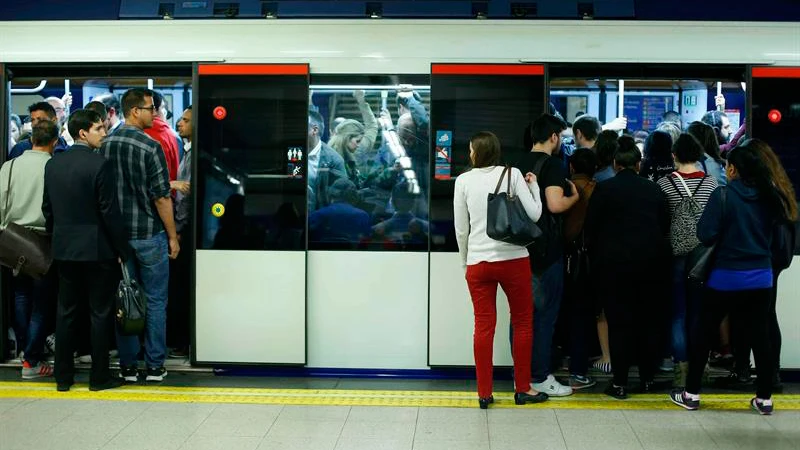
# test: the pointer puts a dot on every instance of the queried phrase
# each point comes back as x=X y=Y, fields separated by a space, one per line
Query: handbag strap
x=8 y=188
x=500 y=181
x=508 y=181
x=126 y=276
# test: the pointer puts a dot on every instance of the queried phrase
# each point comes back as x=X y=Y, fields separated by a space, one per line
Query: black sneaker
x=156 y=374
x=763 y=407
x=679 y=397
x=618 y=392
x=129 y=374
x=110 y=384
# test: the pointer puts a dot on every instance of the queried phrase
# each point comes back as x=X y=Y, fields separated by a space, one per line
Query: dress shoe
x=521 y=398
x=618 y=392
x=63 y=387
x=484 y=402
x=110 y=384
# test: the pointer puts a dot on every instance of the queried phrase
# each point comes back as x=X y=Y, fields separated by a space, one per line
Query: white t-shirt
x=470 y=203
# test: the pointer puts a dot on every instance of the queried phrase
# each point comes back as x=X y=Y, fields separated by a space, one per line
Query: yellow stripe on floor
x=336 y=397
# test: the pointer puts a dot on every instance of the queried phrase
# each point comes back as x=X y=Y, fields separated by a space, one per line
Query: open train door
x=466 y=99
x=774 y=117
x=250 y=275
x=5 y=313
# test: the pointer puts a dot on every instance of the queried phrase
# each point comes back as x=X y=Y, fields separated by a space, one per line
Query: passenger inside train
x=621 y=177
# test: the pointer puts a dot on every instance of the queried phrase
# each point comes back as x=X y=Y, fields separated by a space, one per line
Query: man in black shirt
x=547 y=254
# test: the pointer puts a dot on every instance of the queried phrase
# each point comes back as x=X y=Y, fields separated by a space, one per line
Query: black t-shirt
x=552 y=174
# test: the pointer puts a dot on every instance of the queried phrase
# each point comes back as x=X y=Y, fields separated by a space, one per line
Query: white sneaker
x=84 y=359
x=552 y=387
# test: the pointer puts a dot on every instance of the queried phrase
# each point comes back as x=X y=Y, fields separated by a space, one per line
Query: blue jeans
x=548 y=290
x=150 y=267
x=34 y=304
x=686 y=299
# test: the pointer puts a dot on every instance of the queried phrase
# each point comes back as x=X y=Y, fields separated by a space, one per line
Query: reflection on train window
x=368 y=162
x=251 y=184
x=771 y=96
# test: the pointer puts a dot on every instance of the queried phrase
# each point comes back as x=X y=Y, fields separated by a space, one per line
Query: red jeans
x=514 y=276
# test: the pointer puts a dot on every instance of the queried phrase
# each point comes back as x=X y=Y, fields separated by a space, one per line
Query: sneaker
x=763 y=407
x=177 y=353
x=156 y=374
x=84 y=359
x=578 y=382
x=667 y=365
x=682 y=399
x=38 y=371
x=602 y=366
x=129 y=374
x=50 y=343
x=552 y=388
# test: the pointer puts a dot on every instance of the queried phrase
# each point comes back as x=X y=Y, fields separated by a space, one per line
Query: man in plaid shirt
x=144 y=198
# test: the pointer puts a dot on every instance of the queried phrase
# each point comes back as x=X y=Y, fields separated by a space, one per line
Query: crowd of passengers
x=620 y=221
x=109 y=185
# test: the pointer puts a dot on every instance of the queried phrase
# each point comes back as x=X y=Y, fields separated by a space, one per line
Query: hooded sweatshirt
x=743 y=256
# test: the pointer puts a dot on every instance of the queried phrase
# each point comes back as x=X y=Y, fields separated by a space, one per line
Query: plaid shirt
x=142 y=177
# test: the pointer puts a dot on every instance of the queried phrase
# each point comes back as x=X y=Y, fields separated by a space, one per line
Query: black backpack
x=542 y=251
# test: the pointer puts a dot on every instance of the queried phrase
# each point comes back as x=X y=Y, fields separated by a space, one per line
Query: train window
x=463 y=105
x=776 y=118
x=251 y=145
x=368 y=162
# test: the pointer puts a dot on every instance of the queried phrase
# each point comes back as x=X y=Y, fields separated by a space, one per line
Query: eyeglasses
x=151 y=108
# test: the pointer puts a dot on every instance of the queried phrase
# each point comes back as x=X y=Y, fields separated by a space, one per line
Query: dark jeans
x=686 y=301
x=548 y=290
x=150 y=267
x=579 y=314
x=34 y=303
x=93 y=284
x=635 y=306
x=753 y=304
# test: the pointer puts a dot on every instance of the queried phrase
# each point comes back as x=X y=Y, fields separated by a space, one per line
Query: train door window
x=776 y=114
x=466 y=99
x=252 y=149
x=368 y=162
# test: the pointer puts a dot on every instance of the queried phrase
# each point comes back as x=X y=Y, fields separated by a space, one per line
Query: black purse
x=700 y=260
x=131 y=305
x=24 y=250
x=506 y=219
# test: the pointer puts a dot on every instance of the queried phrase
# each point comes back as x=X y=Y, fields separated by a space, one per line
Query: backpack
x=551 y=228
x=683 y=227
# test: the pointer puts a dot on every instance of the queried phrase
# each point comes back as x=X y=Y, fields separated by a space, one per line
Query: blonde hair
x=345 y=131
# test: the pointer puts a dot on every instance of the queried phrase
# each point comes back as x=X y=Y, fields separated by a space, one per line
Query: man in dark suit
x=626 y=231
x=81 y=211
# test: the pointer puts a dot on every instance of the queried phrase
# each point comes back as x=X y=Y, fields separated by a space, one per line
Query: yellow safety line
x=335 y=397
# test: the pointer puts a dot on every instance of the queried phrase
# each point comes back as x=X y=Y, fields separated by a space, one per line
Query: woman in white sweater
x=489 y=262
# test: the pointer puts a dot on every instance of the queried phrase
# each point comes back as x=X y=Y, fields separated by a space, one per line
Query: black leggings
x=741 y=343
x=754 y=305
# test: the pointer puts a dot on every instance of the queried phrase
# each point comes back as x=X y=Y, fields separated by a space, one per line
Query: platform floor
x=200 y=411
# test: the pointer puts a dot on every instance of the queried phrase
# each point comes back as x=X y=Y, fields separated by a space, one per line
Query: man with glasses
x=144 y=197
x=38 y=112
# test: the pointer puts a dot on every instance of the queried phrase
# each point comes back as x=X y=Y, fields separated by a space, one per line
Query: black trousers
x=180 y=288
x=755 y=306
x=81 y=284
x=635 y=299
x=741 y=339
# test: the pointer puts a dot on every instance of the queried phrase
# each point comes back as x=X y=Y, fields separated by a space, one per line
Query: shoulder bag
x=131 y=305
x=700 y=261
x=506 y=219
x=24 y=250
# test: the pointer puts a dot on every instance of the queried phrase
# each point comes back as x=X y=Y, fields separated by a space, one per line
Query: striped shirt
x=707 y=185
x=142 y=177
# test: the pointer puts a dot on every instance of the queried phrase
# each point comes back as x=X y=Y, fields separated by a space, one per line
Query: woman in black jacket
x=741 y=221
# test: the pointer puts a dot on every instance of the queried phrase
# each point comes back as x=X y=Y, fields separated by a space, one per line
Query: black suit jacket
x=81 y=209
x=627 y=221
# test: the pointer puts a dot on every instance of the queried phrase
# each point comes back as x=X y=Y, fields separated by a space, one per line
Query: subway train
x=286 y=273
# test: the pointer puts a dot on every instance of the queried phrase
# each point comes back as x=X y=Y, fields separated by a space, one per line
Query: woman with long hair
x=490 y=262
x=349 y=134
x=657 y=159
x=784 y=186
x=712 y=163
x=740 y=220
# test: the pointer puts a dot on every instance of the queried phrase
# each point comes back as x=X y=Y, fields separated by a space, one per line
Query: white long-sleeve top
x=470 y=203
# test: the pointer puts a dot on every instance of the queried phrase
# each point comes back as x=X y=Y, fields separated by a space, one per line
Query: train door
x=250 y=272
x=5 y=307
x=775 y=118
x=466 y=99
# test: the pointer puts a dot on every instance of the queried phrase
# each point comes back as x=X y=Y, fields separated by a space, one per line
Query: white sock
x=764 y=402
x=693 y=397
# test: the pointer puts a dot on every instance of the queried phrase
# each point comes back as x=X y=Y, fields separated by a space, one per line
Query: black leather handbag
x=506 y=219
x=24 y=250
x=700 y=261
x=131 y=305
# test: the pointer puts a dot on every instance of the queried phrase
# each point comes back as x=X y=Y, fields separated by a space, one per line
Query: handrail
x=39 y=88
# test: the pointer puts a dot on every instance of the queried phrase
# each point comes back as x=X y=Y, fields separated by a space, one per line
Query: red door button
x=220 y=112
x=774 y=116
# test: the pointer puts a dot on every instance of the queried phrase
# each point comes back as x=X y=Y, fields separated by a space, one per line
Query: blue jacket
x=27 y=144
x=745 y=232
x=714 y=169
